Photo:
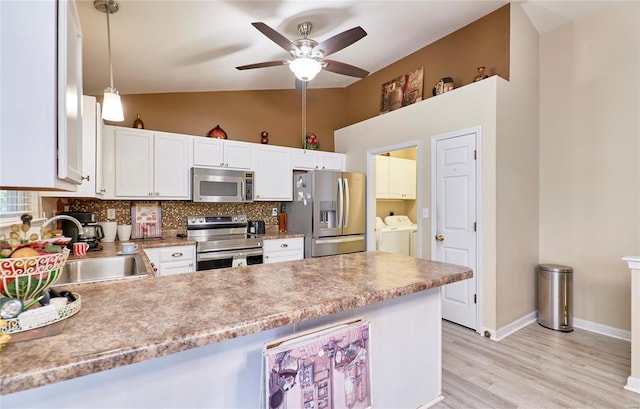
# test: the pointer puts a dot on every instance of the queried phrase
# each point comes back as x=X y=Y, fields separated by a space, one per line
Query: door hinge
x=475 y=226
x=475 y=155
x=475 y=298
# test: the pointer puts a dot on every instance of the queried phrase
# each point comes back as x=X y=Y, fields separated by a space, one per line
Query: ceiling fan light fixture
x=305 y=69
x=112 y=105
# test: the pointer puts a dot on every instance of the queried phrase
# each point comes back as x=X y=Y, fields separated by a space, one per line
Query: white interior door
x=455 y=219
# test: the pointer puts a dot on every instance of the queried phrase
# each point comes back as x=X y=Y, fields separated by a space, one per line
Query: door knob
x=439 y=237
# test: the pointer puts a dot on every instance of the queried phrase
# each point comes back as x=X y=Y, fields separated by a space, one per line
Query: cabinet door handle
x=87 y=178
x=221 y=163
x=177 y=254
x=103 y=190
x=284 y=245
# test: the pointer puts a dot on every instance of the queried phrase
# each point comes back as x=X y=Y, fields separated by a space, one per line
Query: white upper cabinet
x=221 y=153
x=310 y=159
x=273 y=173
x=395 y=178
x=91 y=153
x=382 y=177
x=41 y=91
x=134 y=163
x=172 y=164
x=70 y=152
x=140 y=164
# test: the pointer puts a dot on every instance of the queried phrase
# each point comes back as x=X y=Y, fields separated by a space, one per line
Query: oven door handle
x=219 y=255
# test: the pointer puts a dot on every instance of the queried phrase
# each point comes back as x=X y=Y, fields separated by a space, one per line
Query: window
x=14 y=203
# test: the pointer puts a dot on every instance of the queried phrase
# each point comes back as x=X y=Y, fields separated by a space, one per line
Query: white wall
x=589 y=152
x=466 y=107
x=517 y=175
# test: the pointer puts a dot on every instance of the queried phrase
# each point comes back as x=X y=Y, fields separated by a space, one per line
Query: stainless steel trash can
x=555 y=297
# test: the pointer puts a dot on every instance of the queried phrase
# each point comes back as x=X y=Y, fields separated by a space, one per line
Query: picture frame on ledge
x=146 y=220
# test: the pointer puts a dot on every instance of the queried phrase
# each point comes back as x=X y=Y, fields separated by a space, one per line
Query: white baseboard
x=602 y=329
x=502 y=333
x=516 y=325
x=633 y=385
x=431 y=403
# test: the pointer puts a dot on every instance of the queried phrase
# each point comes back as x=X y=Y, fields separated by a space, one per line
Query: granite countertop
x=126 y=321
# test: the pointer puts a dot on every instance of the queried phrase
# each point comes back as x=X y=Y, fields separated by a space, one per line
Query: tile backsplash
x=174 y=213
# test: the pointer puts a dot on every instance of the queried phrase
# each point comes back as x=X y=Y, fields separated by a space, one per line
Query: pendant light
x=111 y=104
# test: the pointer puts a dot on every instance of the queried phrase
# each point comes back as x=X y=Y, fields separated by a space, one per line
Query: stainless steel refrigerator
x=329 y=208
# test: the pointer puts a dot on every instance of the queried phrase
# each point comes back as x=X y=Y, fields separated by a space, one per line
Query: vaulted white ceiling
x=168 y=46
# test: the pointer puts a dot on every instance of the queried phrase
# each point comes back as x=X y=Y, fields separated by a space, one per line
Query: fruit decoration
x=311 y=141
x=264 y=137
x=22 y=244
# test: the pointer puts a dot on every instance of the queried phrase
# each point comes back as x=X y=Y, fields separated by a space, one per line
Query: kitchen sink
x=101 y=269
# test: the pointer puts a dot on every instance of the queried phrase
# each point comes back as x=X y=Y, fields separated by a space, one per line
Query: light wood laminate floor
x=535 y=368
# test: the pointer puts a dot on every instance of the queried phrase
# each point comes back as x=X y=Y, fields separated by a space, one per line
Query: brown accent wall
x=485 y=42
x=242 y=114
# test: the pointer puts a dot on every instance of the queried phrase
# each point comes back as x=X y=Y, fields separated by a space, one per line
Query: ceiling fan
x=308 y=56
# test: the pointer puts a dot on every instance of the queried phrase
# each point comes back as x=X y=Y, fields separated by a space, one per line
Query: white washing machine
x=392 y=239
x=403 y=223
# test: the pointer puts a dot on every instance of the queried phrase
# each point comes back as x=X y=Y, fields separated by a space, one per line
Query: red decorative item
x=217 y=132
x=311 y=141
x=264 y=137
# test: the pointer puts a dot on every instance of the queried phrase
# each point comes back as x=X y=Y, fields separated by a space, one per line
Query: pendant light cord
x=109 y=45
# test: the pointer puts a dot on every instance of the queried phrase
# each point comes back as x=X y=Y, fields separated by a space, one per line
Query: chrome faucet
x=65 y=217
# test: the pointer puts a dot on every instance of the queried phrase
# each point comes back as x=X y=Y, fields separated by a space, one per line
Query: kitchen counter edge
x=356 y=280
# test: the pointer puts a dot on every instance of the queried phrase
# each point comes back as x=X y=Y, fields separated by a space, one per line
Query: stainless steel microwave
x=221 y=185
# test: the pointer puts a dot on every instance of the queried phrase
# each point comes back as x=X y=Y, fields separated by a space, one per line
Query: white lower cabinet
x=172 y=260
x=278 y=250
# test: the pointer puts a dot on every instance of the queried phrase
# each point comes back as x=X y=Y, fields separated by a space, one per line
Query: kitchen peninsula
x=195 y=340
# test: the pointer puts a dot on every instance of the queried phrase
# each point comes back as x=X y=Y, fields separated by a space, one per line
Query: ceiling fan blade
x=276 y=37
x=344 y=69
x=340 y=41
x=262 y=65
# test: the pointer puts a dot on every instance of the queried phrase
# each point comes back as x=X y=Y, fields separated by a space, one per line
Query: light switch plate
x=425 y=213
x=111 y=214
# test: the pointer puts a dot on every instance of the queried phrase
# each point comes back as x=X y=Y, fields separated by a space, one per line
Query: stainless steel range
x=223 y=241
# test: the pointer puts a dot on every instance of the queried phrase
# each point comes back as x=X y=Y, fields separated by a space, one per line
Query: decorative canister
x=217 y=132
x=138 y=123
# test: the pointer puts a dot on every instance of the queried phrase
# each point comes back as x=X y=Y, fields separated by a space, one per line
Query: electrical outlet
x=111 y=214
x=274 y=211
x=425 y=213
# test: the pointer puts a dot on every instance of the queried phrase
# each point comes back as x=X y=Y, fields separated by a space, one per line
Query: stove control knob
x=200 y=219
x=241 y=218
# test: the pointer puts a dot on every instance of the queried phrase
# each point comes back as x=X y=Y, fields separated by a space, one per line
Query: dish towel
x=239 y=260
